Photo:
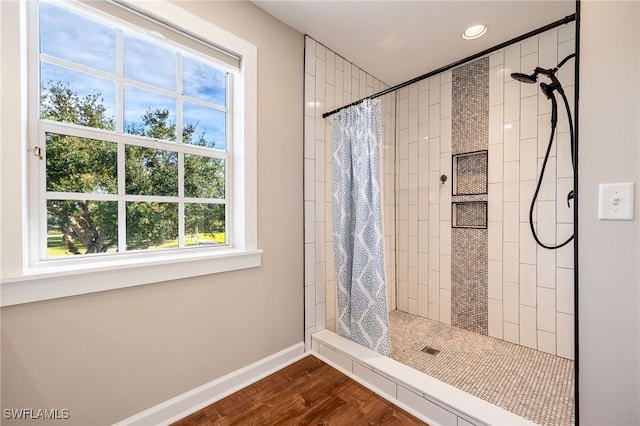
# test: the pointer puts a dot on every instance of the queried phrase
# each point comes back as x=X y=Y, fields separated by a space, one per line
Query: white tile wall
x=530 y=288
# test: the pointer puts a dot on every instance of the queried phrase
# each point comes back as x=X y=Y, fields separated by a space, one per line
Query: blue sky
x=91 y=43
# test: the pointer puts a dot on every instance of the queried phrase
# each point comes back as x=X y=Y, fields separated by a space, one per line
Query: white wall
x=107 y=356
x=609 y=252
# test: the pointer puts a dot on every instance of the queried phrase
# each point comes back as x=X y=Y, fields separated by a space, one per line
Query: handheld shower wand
x=548 y=89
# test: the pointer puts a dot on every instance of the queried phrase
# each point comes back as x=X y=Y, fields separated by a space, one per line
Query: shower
x=548 y=89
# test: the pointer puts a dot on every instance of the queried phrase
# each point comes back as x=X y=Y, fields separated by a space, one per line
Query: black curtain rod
x=550 y=26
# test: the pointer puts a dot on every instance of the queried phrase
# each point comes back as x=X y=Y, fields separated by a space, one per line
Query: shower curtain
x=358 y=237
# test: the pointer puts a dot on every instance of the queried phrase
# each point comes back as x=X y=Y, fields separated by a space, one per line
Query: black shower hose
x=554 y=120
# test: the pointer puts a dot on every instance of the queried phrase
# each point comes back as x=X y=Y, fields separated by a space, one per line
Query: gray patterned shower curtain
x=358 y=237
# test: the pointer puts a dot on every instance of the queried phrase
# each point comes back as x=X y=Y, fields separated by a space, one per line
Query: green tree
x=89 y=166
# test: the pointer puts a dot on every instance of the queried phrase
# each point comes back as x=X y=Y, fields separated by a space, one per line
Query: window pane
x=149 y=63
x=204 y=126
x=81 y=227
x=76 y=97
x=204 y=177
x=151 y=171
x=149 y=114
x=203 y=81
x=68 y=35
x=81 y=165
x=205 y=224
x=152 y=226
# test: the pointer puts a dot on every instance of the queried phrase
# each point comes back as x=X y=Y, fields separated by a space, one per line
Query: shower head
x=524 y=78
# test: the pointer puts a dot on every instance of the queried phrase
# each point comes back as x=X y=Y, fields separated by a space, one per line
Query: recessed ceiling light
x=474 y=31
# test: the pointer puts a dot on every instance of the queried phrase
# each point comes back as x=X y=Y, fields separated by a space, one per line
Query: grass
x=57 y=248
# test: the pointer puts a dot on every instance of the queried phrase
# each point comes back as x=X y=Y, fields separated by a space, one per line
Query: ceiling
x=399 y=40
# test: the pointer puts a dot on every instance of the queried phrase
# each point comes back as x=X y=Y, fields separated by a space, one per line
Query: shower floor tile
x=532 y=384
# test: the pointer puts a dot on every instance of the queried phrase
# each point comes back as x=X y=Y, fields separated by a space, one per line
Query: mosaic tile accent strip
x=469 y=247
x=532 y=384
x=470 y=107
x=469 y=279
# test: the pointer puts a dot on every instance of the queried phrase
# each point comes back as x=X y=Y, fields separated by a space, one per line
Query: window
x=141 y=142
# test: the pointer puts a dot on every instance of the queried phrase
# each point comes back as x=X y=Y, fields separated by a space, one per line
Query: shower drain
x=429 y=350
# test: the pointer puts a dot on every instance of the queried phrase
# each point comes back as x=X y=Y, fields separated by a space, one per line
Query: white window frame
x=23 y=278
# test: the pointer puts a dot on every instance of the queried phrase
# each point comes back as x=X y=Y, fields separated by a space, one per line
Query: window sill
x=53 y=283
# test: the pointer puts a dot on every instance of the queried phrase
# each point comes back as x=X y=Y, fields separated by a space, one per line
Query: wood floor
x=305 y=392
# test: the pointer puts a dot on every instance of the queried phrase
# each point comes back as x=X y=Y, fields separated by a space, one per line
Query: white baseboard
x=182 y=405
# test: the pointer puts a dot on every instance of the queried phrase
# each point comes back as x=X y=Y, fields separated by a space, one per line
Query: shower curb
x=431 y=400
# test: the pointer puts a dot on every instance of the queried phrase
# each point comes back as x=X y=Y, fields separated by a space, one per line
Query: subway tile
x=321 y=314
x=496 y=124
x=546 y=268
x=338 y=94
x=413 y=252
x=310 y=56
x=511 y=188
x=547 y=50
x=510 y=264
x=445 y=134
x=423 y=106
x=413 y=220
x=423 y=268
x=548 y=187
x=434 y=286
x=403 y=265
x=511 y=222
x=320 y=241
x=434 y=153
x=413 y=283
x=330 y=297
x=495 y=164
x=423 y=173
x=528 y=288
x=445 y=306
x=403 y=204
x=529 y=46
x=527 y=64
x=446 y=77
x=547 y=342
x=511 y=332
x=320 y=203
x=423 y=301
x=546 y=222
x=494 y=288
x=403 y=144
x=529 y=117
x=423 y=139
x=445 y=203
x=565 y=290
x=511 y=101
x=309 y=264
x=413 y=126
x=309 y=307
x=434 y=90
x=544 y=133
x=546 y=309
x=403 y=113
x=330 y=61
x=511 y=61
x=434 y=120
x=511 y=141
x=564 y=164
x=494 y=204
x=434 y=257
x=423 y=236
x=434 y=223
x=528 y=159
x=403 y=234
x=496 y=58
x=309 y=222
x=496 y=86
x=310 y=96
x=434 y=187
x=528 y=331
x=527 y=188
x=445 y=271
x=321 y=81
x=445 y=237
x=378 y=381
x=309 y=137
x=445 y=100
x=567 y=32
x=495 y=318
x=527 y=245
x=565 y=336
x=402 y=298
x=494 y=232
x=413 y=97
x=510 y=303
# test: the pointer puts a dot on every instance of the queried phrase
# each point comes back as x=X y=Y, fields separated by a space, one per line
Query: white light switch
x=616 y=201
